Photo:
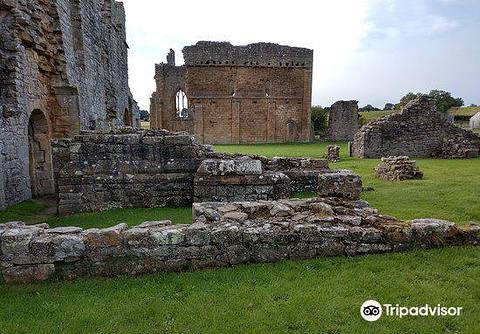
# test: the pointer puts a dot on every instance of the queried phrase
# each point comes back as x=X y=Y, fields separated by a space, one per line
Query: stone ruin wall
x=238 y=94
x=169 y=80
x=343 y=121
x=221 y=235
x=229 y=177
x=63 y=68
x=398 y=169
x=97 y=171
x=418 y=130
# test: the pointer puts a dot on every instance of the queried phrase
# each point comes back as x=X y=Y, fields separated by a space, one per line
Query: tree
x=368 y=107
x=389 y=106
x=319 y=119
x=404 y=100
x=444 y=100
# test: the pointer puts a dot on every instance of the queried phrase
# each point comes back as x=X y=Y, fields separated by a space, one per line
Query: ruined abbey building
x=417 y=130
x=236 y=94
x=63 y=68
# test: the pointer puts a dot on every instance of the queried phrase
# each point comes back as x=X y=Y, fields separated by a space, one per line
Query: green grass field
x=313 y=296
x=464 y=111
x=368 y=116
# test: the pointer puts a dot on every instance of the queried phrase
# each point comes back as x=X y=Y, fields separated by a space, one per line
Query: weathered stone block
x=104 y=238
x=69 y=247
x=343 y=183
x=230 y=167
x=28 y=273
x=16 y=241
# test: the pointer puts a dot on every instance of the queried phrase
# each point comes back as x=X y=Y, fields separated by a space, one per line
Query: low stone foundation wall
x=340 y=183
x=240 y=179
x=222 y=234
x=398 y=169
x=303 y=172
x=97 y=171
x=230 y=178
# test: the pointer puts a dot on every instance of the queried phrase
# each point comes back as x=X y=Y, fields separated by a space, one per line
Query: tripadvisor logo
x=371 y=310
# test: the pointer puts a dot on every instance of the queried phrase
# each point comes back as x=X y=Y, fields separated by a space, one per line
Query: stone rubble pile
x=333 y=153
x=398 y=169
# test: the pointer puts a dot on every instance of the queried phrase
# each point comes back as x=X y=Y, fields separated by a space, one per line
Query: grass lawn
x=312 y=296
x=450 y=189
x=22 y=212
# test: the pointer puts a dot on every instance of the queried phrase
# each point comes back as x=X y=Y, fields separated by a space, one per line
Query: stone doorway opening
x=291 y=131
x=40 y=155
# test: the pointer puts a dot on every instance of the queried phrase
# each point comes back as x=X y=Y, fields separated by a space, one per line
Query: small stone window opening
x=231 y=88
x=181 y=105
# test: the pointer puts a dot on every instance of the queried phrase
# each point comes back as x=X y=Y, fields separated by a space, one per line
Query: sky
x=372 y=51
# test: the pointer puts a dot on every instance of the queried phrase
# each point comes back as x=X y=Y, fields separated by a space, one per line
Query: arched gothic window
x=181 y=104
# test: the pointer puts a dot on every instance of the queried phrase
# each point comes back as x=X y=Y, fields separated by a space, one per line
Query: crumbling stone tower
x=236 y=94
x=343 y=121
x=63 y=68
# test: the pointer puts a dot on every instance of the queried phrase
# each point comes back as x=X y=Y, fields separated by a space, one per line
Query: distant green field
x=464 y=111
x=368 y=116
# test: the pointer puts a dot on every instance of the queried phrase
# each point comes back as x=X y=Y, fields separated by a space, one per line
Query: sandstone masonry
x=418 y=130
x=63 y=68
x=222 y=234
x=235 y=94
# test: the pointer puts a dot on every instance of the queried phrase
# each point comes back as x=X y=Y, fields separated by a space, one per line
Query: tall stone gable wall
x=418 y=130
x=343 y=121
x=169 y=80
x=238 y=94
x=66 y=59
